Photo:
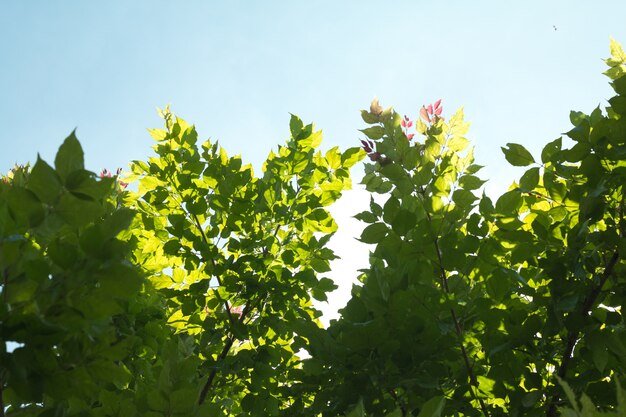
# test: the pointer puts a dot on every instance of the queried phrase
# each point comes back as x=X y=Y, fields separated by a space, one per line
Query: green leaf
x=351 y=156
x=463 y=198
x=569 y=393
x=78 y=212
x=517 y=155
x=367 y=217
x=374 y=233
x=158 y=134
x=70 y=157
x=509 y=202
x=358 y=410
x=44 y=181
x=530 y=179
x=374 y=132
x=118 y=221
x=470 y=182
x=403 y=222
x=551 y=150
x=600 y=357
x=25 y=207
x=617 y=53
x=390 y=210
x=556 y=188
x=295 y=126
x=333 y=158
x=457 y=144
x=531 y=398
x=433 y=407
x=369 y=118
x=376 y=209
x=499 y=284
x=183 y=400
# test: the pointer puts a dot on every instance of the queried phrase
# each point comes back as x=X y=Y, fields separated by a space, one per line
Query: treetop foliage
x=194 y=295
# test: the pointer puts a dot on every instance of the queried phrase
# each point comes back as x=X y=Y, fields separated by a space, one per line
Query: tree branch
x=219 y=281
x=1 y=398
x=572 y=337
x=457 y=326
x=209 y=382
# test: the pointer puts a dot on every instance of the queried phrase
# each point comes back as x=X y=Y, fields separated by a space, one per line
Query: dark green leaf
x=403 y=222
x=25 y=207
x=433 y=407
x=517 y=155
x=366 y=216
x=463 y=198
x=551 y=150
x=295 y=126
x=530 y=179
x=470 y=182
x=44 y=181
x=374 y=233
x=374 y=132
x=509 y=203
x=70 y=157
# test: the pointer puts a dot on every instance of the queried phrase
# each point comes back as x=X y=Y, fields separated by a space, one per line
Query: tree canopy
x=194 y=295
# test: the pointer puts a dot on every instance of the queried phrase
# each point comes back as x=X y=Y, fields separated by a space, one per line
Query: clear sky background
x=237 y=69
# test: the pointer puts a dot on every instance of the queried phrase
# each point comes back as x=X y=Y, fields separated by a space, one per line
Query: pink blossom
x=432 y=112
x=238 y=310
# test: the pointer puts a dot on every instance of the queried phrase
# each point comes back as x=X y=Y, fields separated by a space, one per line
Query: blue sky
x=237 y=69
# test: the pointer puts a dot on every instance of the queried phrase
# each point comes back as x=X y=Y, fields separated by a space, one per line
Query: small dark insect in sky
x=554 y=27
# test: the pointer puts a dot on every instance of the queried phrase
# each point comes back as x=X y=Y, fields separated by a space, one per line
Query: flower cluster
x=108 y=174
x=406 y=125
x=236 y=310
x=432 y=112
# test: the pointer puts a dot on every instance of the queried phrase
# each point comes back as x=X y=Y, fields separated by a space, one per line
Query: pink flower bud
x=429 y=109
x=424 y=114
x=437 y=103
x=410 y=136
